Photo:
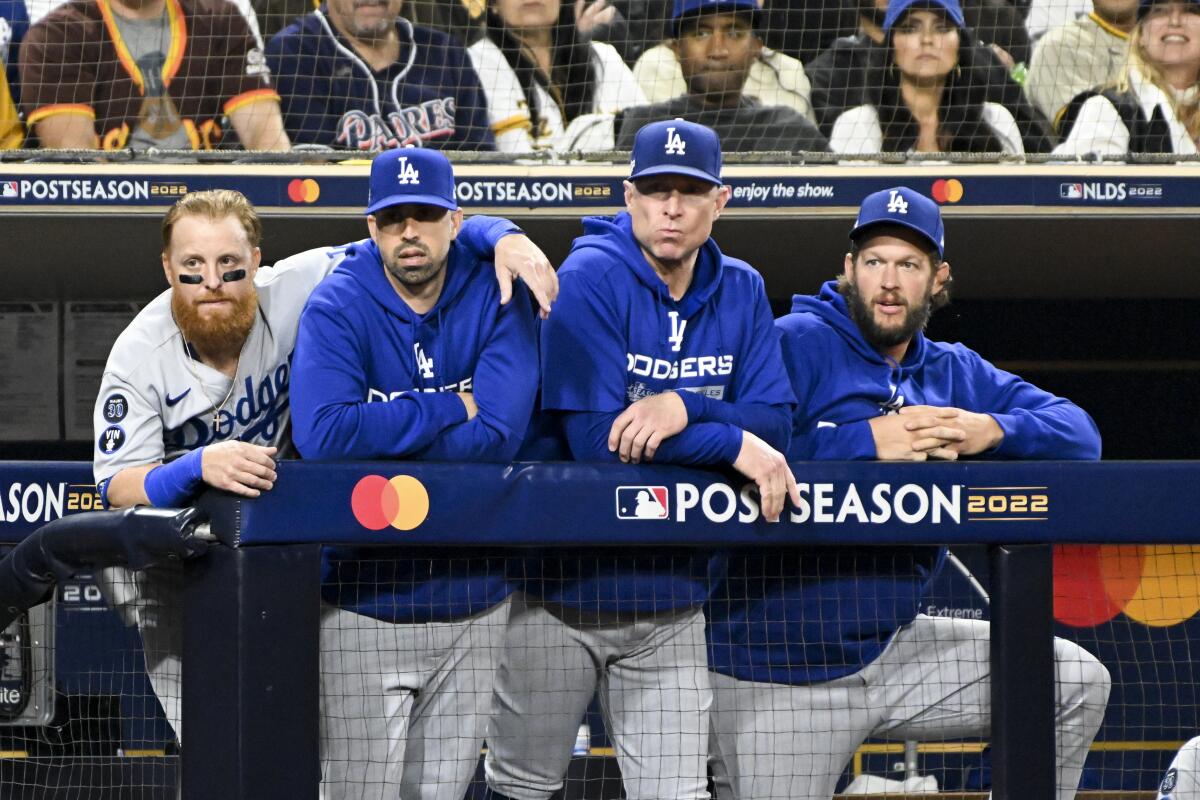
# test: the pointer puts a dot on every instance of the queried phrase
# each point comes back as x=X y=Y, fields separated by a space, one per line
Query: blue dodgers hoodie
x=616 y=336
x=798 y=616
x=373 y=379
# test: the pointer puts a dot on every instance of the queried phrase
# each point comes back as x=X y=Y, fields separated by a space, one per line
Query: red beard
x=216 y=334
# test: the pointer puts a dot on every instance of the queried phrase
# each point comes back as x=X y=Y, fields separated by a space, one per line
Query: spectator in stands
x=717 y=48
x=838 y=74
x=932 y=96
x=1154 y=106
x=1086 y=52
x=356 y=75
x=805 y=29
x=1043 y=16
x=816 y=650
x=773 y=79
x=169 y=74
x=547 y=86
x=14 y=21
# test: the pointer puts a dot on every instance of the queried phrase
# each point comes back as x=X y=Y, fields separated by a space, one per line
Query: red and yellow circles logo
x=400 y=502
x=947 y=191
x=1157 y=585
x=304 y=191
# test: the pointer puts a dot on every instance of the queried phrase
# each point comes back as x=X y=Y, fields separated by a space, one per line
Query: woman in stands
x=547 y=86
x=1154 y=107
x=930 y=94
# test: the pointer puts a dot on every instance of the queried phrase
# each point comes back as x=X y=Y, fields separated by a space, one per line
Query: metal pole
x=1022 y=656
x=251 y=674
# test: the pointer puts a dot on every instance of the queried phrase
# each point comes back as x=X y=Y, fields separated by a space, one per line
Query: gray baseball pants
x=651 y=673
x=930 y=684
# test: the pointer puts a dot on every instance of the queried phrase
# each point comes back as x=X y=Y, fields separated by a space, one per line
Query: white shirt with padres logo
x=156 y=402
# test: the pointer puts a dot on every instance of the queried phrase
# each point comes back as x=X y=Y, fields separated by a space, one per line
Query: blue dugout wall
x=250 y=622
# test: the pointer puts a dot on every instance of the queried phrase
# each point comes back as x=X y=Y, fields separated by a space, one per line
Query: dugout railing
x=252 y=605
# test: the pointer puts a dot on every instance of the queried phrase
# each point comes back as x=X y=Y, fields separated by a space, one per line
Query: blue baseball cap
x=897 y=9
x=676 y=147
x=683 y=8
x=411 y=175
x=1144 y=7
x=904 y=207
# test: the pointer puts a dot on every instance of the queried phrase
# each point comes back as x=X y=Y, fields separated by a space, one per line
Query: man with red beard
x=195 y=392
x=816 y=649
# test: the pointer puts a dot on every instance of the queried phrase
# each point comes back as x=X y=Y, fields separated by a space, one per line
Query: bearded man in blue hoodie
x=405 y=352
x=815 y=650
x=660 y=349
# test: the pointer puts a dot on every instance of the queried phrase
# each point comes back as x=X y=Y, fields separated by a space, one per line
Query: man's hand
x=916 y=437
x=639 y=430
x=468 y=400
x=980 y=432
x=518 y=257
x=238 y=467
x=768 y=468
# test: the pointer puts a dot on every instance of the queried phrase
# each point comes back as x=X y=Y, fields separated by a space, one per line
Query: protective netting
x=588 y=674
x=1028 y=78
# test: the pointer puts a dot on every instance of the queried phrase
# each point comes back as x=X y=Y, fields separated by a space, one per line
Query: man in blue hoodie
x=404 y=352
x=661 y=349
x=814 y=651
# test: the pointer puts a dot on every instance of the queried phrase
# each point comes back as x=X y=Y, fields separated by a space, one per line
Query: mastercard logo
x=400 y=502
x=947 y=191
x=304 y=191
x=1156 y=585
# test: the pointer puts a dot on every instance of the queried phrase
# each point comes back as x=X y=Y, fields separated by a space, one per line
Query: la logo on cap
x=897 y=203
x=675 y=143
x=407 y=173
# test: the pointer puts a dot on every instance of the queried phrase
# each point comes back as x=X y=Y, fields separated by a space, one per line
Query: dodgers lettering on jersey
x=651 y=374
x=257 y=415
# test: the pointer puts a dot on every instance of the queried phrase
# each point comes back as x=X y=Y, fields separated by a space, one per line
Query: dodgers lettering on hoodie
x=616 y=335
x=373 y=379
x=800 y=616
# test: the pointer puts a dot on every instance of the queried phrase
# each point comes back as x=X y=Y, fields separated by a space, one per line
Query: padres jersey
x=429 y=97
x=75 y=61
x=156 y=401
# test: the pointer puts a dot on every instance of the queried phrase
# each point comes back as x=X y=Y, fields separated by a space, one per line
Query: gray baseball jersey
x=1182 y=779
x=156 y=402
x=151 y=409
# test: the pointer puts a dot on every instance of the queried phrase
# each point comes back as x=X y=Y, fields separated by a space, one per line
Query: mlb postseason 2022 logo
x=854 y=503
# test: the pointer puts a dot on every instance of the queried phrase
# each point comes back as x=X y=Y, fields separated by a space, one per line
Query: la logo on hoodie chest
x=424 y=367
x=670 y=352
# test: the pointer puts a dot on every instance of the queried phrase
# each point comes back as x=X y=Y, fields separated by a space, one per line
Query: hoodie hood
x=831 y=307
x=613 y=236
x=364 y=266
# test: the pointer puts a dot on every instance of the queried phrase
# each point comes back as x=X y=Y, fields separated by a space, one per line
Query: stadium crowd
x=524 y=76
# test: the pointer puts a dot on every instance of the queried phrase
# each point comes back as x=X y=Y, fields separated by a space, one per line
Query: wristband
x=171 y=485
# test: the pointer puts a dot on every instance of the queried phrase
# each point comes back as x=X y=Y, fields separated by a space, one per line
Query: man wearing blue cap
x=716 y=43
x=819 y=649
x=660 y=350
x=404 y=352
